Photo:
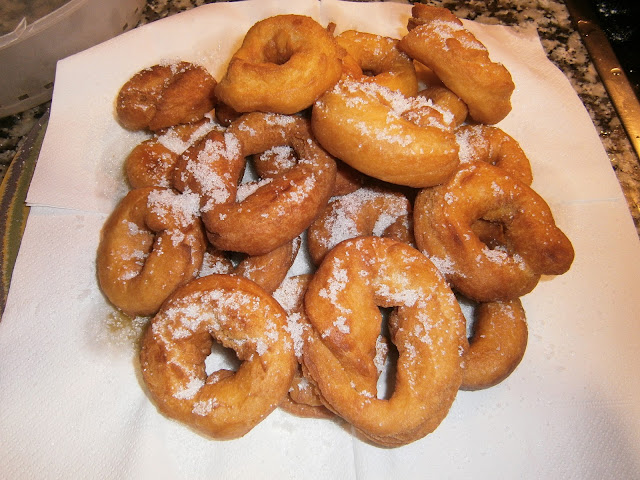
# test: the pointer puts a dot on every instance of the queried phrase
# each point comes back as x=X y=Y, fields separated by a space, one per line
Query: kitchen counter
x=560 y=39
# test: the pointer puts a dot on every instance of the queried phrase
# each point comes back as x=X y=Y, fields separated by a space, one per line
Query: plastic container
x=28 y=54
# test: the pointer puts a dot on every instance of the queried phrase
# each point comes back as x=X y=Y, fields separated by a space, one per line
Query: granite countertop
x=560 y=39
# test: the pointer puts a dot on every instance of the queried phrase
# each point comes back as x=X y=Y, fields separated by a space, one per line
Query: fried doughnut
x=211 y=168
x=268 y=270
x=372 y=129
x=165 y=95
x=426 y=76
x=381 y=60
x=302 y=399
x=284 y=64
x=367 y=211
x=342 y=301
x=277 y=209
x=493 y=145
x=151 y=244
x=496 y=346
x=151 y=163
x=438 y=39
x=241 y=316
x=534 y=245
x=277 y=160
x=226 y=115
x=446 y=99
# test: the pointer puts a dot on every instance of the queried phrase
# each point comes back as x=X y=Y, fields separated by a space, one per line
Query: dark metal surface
x=609 y=68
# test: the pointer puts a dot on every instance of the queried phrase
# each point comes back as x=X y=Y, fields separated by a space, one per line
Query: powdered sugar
x=182 y=208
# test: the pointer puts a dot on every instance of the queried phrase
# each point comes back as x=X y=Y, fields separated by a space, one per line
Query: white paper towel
x=71 y=400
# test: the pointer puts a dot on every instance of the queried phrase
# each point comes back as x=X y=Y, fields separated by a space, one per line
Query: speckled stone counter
x=559 y=38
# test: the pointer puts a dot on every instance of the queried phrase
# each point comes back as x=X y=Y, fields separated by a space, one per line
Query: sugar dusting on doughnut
x=438 y=39
x=241 y=316
x=373 y=334
x=426 y=328
x=366 y=126
x=479 y=192
x=366 y=211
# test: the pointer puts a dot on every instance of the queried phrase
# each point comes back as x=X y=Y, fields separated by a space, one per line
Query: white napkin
x=71 y=400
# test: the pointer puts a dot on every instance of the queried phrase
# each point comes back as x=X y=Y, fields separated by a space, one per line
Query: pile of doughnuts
x=377 y=157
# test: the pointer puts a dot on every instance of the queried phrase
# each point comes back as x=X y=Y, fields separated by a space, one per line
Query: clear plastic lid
x=15 y=12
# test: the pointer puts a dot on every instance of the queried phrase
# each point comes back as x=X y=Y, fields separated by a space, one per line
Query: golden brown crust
x=496 y=346
x=292 y=55
x=380 y=60
x=275 y=161
x=302 y=398
x=151 y=163
x=152 y=243
x=211 y=168
x=376 y=337
x=445 y=99
x=438 y=40
x=241 y=316
x=342 y=305
x=369 y=127
x=492 y=145
x=297 y=195
x=165 y=95
x=367 y=211
x=268 y=270
x=534 y=246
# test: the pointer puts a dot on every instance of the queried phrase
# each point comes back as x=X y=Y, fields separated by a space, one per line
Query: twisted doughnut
x=438 y=39
x=151 y=243
x=164 y=95
x=533 y=244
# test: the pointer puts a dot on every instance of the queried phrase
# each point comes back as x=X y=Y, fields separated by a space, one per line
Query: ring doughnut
x=151 y=244
x=165 y=95
x=381 y=60
x=302 y=399
x=497 y=345
x=342 y=301
x=364 y=125
x=367 y=211
x=292 y=55
x=438 y=39
x=297 y=195
x=534 y=245
x=241 y=316
x=493 y=145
